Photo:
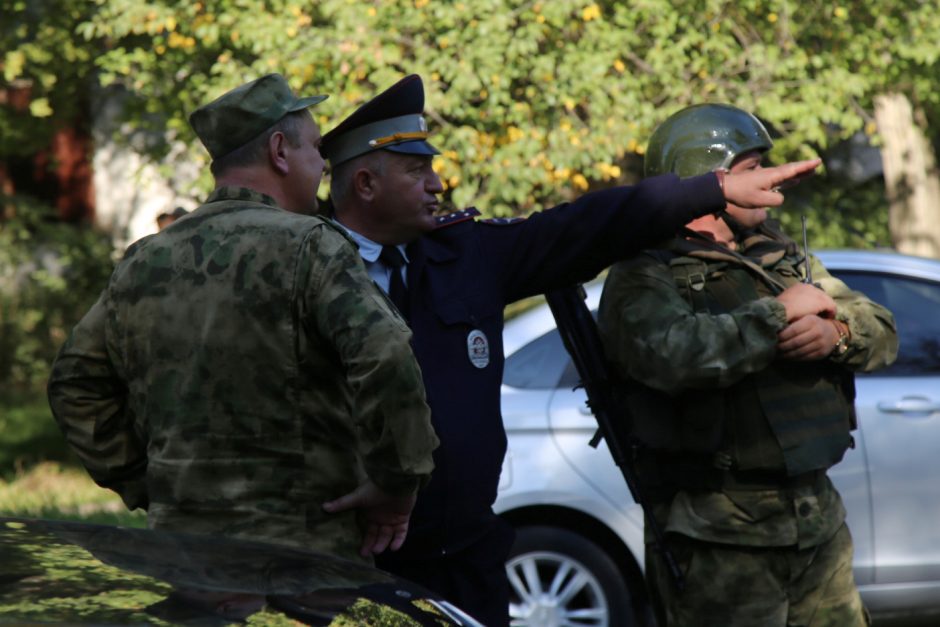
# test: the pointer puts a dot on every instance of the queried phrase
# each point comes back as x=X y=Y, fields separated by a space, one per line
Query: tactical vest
x=788 y=420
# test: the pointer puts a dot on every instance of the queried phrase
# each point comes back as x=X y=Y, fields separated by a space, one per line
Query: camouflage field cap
x=703 y=138
x=392 y=121
x=238 y=116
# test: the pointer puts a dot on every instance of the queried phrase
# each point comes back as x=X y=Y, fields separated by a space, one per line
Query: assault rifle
x=808 y=273
x=578 y=331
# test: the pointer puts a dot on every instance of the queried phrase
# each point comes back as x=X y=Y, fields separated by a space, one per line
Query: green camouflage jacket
x=239 y=370
x=653 y=334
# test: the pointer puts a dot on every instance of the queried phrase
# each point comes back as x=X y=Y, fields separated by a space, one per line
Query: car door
x=899 y=416
x=573 y=427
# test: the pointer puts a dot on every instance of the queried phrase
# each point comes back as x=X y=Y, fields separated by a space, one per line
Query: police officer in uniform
x=739 y=377
x=451 y=277
x=214 y=381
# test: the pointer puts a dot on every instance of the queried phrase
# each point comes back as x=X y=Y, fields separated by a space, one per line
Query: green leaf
x=40 y=108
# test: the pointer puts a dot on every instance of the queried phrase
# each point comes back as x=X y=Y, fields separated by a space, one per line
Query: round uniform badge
x=478 y=348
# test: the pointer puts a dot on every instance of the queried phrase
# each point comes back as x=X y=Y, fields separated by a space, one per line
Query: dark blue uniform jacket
x=460 y=278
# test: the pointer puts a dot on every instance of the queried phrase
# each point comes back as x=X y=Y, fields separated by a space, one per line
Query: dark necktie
x=393 y=258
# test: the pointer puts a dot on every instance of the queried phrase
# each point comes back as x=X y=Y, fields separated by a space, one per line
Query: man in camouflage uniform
x=240 y=369
x=741 y=389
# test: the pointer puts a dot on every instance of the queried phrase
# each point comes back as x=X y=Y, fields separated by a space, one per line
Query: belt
x=770 y=480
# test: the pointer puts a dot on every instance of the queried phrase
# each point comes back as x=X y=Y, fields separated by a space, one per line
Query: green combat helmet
x=703 y=138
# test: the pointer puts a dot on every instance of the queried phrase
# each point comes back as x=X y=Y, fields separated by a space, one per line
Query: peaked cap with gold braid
x=391 y=121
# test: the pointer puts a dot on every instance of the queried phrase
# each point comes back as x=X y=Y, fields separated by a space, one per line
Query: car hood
x=59 y=571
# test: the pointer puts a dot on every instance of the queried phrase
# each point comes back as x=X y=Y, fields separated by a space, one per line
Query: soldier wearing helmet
x=703 y=138
x=709 y=138
x=741 y=395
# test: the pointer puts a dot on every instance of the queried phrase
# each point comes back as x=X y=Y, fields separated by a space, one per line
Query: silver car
x=578 y=558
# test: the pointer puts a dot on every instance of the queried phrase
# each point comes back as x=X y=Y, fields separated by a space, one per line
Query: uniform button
x=805 y=509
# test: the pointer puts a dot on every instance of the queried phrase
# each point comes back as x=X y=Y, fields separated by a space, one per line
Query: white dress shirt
x=370 y=251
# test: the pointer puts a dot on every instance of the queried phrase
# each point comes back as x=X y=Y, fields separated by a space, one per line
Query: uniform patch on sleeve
x=457 y=216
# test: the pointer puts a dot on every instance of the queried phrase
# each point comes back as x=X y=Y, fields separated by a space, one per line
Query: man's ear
x=365 y=184
x=278 y=148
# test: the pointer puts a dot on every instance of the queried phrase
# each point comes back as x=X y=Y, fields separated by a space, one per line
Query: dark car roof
x=77 y=573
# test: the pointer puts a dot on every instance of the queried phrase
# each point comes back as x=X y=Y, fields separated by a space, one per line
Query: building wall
x=130 y=189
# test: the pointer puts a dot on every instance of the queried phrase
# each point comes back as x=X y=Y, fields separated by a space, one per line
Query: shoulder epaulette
x=456 y=216
x=502 y=221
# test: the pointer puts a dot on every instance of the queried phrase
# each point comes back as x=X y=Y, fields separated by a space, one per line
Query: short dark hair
x=341 y=175
x=256 y=150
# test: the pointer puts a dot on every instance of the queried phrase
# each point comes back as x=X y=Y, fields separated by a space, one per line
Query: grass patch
x=28 y=433
x=39 y=476
x=52 y=490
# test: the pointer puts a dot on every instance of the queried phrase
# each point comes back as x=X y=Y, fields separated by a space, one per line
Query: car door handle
x=910 y=405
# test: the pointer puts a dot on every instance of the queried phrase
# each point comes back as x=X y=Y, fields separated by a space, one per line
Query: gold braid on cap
x=397 y=137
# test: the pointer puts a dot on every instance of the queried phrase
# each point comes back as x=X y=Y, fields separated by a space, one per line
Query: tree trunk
x=911 y=178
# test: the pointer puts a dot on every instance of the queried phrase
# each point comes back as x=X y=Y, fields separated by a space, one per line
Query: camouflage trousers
x=742 y=586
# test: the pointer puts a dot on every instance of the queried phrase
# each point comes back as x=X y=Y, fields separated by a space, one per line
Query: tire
x=558 y=578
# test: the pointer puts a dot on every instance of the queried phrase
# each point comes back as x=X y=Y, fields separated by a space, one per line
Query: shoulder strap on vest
x=694 y=244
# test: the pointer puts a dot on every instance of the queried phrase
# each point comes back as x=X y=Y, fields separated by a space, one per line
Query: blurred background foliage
x=50 y=274
x=531 y=102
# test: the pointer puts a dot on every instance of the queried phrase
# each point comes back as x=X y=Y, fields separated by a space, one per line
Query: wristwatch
x=842 y=344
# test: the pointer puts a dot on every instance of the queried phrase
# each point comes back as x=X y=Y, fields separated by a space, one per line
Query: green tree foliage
x=48 y=74
x=535 y=101
x=50 y=274
x=532 y=101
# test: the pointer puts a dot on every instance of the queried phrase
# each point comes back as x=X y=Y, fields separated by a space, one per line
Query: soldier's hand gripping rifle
x=579 y=333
